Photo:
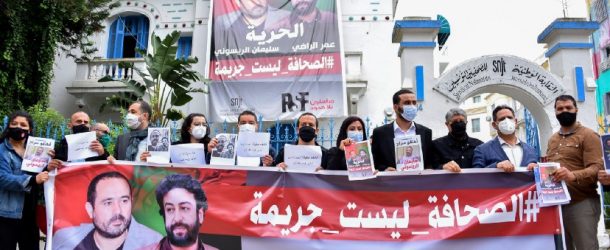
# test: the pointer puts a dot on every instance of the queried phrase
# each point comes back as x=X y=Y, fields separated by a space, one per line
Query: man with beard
x=39 y=157
x=183 y=204
x=253 y=18
x=155 y=142
x=383 y=148
x=109 y=206
x=579 y=152
x=319 y=26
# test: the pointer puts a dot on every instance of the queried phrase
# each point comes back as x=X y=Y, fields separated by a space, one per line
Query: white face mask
x=247 y=128
x=409 y=112
x=198 y=132
x=507 y=126
x=133 y=121
x=356 y=136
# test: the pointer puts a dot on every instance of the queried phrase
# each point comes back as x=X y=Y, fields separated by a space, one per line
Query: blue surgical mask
x=409 y=112
x=105 y=140
x=355 y=135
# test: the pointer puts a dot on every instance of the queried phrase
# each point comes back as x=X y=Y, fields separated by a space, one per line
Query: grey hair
x=453 y=112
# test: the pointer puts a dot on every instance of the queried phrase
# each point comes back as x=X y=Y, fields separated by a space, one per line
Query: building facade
x=598 y=12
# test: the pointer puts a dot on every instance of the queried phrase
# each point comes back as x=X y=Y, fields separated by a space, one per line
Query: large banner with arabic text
x=278 y=58
x=151 y=207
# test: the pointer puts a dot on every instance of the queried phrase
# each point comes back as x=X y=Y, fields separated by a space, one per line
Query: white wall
x=380 y=64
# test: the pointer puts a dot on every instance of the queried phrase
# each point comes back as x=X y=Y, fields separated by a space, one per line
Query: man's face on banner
x=111 y=212
x=154 y=138
x=253 y=9
x=409 y=151
x=39 y=151
x=182 y=218
x=304 y=7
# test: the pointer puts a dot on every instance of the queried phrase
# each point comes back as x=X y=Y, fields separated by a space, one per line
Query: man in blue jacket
x=505 y=151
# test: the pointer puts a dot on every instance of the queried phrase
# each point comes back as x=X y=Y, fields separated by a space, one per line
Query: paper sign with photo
x=359 y=161
x=36 y=156
x=408 y=153
x=224 y=152
x=550 y=193
x=251 y=144
x=302 y=157
x=79 y=146
x=158 y=144
x=190 y=153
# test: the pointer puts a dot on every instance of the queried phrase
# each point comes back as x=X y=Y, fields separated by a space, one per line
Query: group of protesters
x=575 y=147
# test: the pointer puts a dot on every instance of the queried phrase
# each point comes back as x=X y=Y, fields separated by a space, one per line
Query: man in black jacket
x=307 y=125
x=131 y=145
x=455 y=150
x=405 y=106
x=80 y=123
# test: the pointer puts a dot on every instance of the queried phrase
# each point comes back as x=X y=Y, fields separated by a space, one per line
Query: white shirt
x=514 y=153
x=141 y=149
x=399 y=133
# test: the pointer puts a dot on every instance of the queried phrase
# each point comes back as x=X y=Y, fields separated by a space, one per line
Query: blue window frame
x=185 y=45
x=126 y=34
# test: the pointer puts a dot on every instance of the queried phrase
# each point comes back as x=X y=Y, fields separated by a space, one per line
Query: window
x=476 y=99
x=476 y=125
x=126 y=34
x=185 y=44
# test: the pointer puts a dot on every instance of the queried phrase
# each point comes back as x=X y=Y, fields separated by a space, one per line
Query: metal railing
x=281 y=132
x=119 y=68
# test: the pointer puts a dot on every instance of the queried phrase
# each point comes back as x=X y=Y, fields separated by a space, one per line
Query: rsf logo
x=299 y=101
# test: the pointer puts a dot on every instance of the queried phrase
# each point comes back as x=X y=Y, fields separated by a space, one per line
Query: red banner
x=256 y=208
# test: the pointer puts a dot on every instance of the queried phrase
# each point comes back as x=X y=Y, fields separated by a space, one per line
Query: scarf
x=135 y=138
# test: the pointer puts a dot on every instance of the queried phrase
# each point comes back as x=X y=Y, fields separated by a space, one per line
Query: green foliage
x=32 y=32
x=166 y=81
x=46 y=117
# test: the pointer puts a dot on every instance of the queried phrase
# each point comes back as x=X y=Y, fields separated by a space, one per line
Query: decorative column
x=568 y=42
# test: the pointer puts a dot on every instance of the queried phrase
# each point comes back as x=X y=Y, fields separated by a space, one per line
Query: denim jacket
x=13 y=182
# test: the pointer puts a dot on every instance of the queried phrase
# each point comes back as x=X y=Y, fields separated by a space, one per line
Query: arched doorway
x=523 y=80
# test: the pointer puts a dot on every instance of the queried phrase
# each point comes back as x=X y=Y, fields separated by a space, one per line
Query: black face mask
x=307 y=133
x=458 y=129
x=17 y=134
x=566 y=119
x=80 y=129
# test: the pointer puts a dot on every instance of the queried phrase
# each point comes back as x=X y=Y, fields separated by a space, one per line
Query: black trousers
x=22 y=231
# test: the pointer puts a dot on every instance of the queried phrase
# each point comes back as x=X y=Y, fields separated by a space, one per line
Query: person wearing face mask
x=247 y=121
x=79 y=123
x=405 y=106
x=455 y=150
x=195 y=130
x=131 y=145
x=351 y=131
x=579 y=152
x=307 y=125
x=505 y=151
x=18 y=189
x=102 y=133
